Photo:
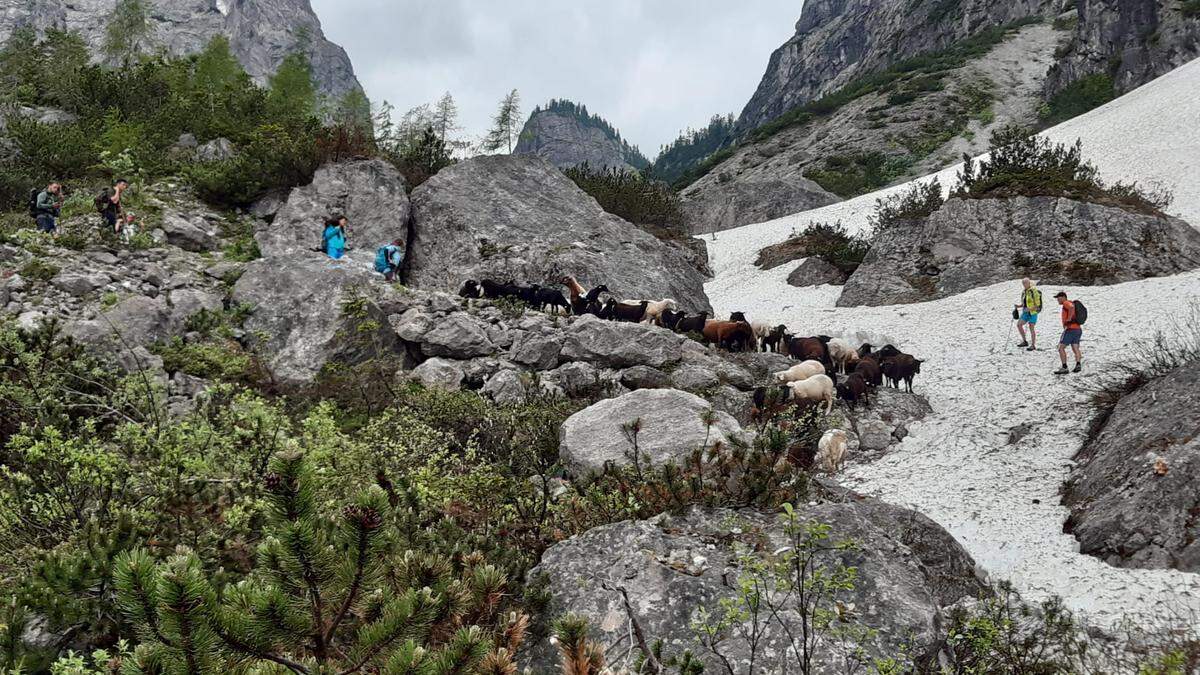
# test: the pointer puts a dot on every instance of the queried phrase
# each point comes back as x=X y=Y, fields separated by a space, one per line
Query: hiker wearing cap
x=1030 y=307
x=1072 y=334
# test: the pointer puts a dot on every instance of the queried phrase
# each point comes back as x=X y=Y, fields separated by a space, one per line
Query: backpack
x=381 y=259
x=1080 y=312
x=102 y=201
x=1037 y=300
x=33 y=199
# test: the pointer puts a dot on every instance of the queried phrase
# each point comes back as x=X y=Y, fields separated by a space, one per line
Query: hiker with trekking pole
x=1026 y=314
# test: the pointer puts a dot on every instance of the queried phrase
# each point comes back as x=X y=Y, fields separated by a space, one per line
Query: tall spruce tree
x=445 y=118
x=292 y=90
x=505 y=125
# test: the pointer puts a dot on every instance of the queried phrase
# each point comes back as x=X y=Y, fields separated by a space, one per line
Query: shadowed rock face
x=909 y=571
x=1123 y=510
x=520 y=218
x=977 y=242
x=1134 y=41
x=261 y=32
x=838 y=41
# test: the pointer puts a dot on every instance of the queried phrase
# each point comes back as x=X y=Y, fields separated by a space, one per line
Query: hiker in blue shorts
x=1072 y=321
x=1028 y=310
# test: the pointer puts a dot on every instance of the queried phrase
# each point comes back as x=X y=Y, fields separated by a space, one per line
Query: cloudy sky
x=651 y=67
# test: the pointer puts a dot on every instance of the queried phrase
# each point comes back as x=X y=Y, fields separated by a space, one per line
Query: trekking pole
x=1009 y=335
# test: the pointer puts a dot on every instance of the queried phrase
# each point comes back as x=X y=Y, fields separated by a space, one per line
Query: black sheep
x=470 y=289
x=552 y=298
x=901 y=368
x=619 y=311
x=692 y=324
x=738 y=316
x=670 y=318
x=773 y=339
x=868 y=367
x=594 y=294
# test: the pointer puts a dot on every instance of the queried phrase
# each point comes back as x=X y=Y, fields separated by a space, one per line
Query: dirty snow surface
x=989 y=463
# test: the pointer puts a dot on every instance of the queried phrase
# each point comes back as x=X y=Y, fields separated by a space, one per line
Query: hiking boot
x=1078 y=367
x=1062 y=371
x=1031 y=349
x=1024 y=343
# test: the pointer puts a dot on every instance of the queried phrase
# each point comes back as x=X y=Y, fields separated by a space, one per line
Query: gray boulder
x=1133 y=492
x=539 y=352
x=509 y=387
x=886 y=422
x=216 y=150
x=188 y=232
x=299 y=321
x=136 y=321
x=721 y=204
x=77 y=283
x=671 y=428
x=370 y=193
x=520 y=218
x=437 y=373
x=815 y=272
x=909 y=572
x=578 y=379
x=186 y=302
x=615 y=344
x=459 y=336
x=645 y=377
x=1058 y=241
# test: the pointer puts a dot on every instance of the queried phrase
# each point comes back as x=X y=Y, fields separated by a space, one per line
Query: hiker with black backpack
x=1026 y=314
x=388 y=259
x=44 y=206
x=108 y=205
x=1074 y=315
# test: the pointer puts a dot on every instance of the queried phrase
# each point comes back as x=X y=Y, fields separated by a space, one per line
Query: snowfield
x=989 y=463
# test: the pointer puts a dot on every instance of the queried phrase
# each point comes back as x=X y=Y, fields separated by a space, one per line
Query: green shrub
x=1190 y=8
x=918 y=201
x=850 y=176
x=1078 y=97
x=39 y=270
x=218 y=359
x=647 y=203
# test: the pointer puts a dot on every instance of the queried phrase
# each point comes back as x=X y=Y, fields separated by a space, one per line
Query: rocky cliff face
x=1126 y=507
x=976 y=242
x=838 y=41
x=520 y=218
x=1134 y=41
x=261 y=32
x=566 y=141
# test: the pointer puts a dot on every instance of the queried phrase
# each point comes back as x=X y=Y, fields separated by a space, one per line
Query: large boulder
x=909 y=571
x=671 y=427
x=370 y=193
x=887 y=421
x=1133 y=493
x=520 y=218
x=725 y=203
x=615 y=344
x=814 y=271
x=970 y=243
x=300 y=319
x=189 y=232
x=136 y=321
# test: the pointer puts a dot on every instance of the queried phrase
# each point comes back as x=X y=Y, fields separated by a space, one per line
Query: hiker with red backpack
x=1074 y=315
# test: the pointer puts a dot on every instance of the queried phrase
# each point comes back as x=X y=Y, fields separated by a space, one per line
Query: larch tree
x=505 y=125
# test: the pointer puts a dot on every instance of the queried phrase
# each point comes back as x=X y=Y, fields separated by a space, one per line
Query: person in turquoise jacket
x=335 y=237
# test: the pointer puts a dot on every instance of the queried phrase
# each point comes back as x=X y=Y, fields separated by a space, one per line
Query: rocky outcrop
x=909 y=571
x=261 y=33
x=838 y=41
x=724 y=203
x=520 y=218
x=370 y=193
x=877 y=429
x=814 y=271
x=1131 y=41
x=976 y=242
x=670 y=427
x=1132 y=494
x=567 y=139
x=299 y=323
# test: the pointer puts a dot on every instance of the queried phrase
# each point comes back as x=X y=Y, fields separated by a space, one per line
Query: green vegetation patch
x=650 y=204
x=1077 y=98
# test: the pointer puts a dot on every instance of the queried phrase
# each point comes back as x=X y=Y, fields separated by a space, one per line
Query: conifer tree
x=445 y=118
x=505 y=125
x=128 y=31
x=292 y=91
x=329 y=595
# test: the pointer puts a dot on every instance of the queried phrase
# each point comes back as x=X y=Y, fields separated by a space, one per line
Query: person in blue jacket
x=334 y=237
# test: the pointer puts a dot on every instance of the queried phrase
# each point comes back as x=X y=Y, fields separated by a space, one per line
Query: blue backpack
x=381 y=259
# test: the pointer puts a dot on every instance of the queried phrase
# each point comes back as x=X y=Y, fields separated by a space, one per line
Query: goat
x=550 y=298
x=774 y=339
x=800 y=371
x=692 y=324
x=815 y=388
x=865 y=349
x=573 y=287
x=869 y=368
x=670 y=318
x=594 y=294
x=470 y=289
x=854 y=389
x=831 y=450
x=770 y=400
x=619 y=311
x=901 y=368
x=842 y=355
x=655 y=309
x=494 y=290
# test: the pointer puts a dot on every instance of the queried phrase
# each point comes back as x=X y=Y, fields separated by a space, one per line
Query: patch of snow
x=223 y=6
x=1002 y=501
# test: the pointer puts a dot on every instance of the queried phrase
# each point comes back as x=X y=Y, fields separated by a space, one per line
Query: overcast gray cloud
x=651 y=67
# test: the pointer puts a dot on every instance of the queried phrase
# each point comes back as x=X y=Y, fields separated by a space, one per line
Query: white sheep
x=800 y=371
x=761 y=331
x=843 y=355
x=816 y=388
x=655 y=309
x=831 y=450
